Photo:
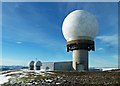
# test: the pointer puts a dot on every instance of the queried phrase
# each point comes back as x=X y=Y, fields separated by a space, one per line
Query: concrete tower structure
x=31 y=65
x=79 y=29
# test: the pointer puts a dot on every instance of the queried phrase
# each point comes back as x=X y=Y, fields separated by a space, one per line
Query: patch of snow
x=27 y=70
x=29 y=83
x=4 y=79
x=48 y=80
x=57 y=83
x=50 y=72
x=106 y=69
x=37 y=71
x=21 y=76
x=16 y=72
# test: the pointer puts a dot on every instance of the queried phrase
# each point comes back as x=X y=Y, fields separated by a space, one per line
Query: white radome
x=80 y=24
x=38 y=63
x=31 y=63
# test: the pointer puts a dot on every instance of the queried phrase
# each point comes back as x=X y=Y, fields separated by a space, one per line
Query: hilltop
x=60 y=78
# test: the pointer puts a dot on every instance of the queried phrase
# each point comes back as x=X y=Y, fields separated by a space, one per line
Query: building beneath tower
x=57 y=66
x=50 y=66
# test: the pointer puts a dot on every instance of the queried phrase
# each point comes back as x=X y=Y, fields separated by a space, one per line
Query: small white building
x=57 y=66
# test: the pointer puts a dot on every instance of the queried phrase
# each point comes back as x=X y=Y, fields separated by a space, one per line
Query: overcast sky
x=34 y=30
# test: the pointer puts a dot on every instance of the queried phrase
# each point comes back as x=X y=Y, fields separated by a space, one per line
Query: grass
x=42 y=77
x=24 y=79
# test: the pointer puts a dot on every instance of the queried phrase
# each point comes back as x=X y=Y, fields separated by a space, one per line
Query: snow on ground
x=27 y=70
x=4 y=79
x=16 y=72
x=48 y=80
x=4 y=74
x=106 y=69
x=103 y=68
x=39 y=72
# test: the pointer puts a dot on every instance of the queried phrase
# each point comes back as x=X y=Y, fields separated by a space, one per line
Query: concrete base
x=31 y=67
x=80 y=60
x=37 y=68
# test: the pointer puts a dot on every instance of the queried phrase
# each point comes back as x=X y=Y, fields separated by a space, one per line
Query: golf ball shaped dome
x=80 y=24
x=38 y=63
x=31 y=63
